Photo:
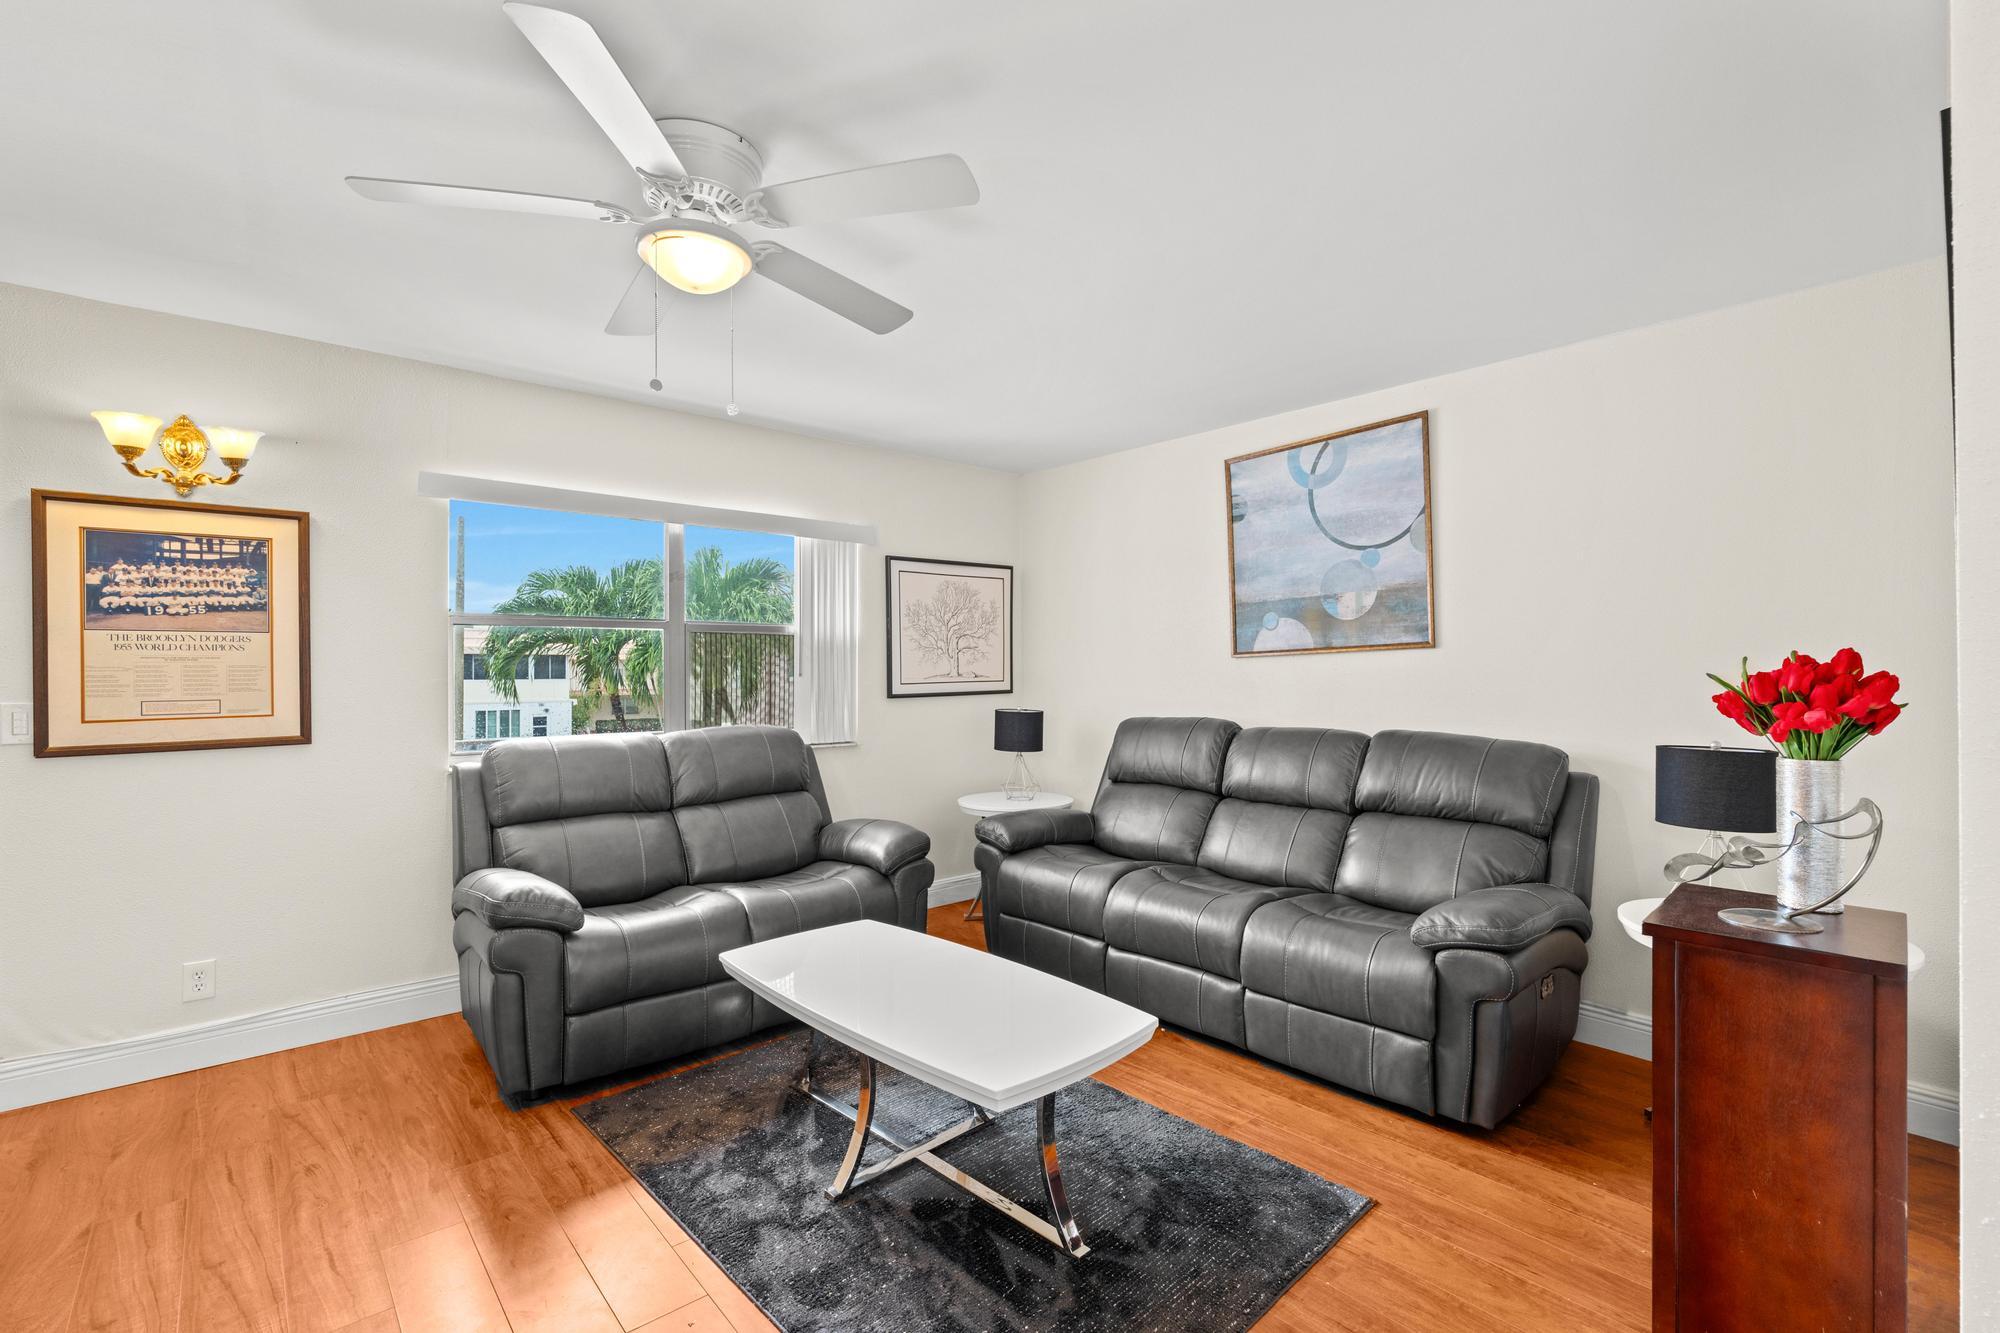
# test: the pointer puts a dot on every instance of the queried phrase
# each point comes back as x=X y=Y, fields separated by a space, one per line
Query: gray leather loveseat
x=598 y=877
x=1403 y=914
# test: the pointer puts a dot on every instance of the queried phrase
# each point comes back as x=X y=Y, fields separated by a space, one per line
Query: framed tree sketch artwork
x=951 y=627
x=1330 y=542
x=168 y=625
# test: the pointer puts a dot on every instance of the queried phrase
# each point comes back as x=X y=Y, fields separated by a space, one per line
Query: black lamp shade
x=1017 y=730
x=1716 y=789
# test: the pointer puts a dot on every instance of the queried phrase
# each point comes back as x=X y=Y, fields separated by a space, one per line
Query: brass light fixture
x=182 y=444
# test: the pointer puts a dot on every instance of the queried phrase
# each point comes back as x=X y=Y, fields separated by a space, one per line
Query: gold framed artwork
x=1330 y=542
x=167 y=625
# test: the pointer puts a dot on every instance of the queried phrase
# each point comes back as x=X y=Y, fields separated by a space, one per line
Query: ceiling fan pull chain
x=732 y=409
x=654 y=383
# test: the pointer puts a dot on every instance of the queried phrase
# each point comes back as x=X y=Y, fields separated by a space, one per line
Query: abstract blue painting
x=1330 y=542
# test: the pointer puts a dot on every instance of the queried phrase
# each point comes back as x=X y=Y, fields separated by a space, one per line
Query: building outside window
x=594 y=623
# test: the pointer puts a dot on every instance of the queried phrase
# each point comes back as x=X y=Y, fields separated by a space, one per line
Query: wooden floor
x=376 y=1183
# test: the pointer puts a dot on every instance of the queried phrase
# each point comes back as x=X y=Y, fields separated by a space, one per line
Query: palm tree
x=606 y=663
x=757 y=592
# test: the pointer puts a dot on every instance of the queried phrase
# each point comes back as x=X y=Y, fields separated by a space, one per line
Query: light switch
x=17 y=724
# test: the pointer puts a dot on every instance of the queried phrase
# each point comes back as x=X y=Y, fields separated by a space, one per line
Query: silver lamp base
x=1767 y=918
x=1021 y=784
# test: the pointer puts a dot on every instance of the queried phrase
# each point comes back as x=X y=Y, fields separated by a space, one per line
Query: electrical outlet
x=198 y=980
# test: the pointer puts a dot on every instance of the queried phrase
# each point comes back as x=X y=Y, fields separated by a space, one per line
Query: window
x=740 y=611
x=496 y=724
x=592 y=623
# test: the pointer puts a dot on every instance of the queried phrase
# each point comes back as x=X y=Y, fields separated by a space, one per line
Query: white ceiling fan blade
x=943 y=181
x=578 y=56
x=640 y=308
x=821 y=285
x=471 y=196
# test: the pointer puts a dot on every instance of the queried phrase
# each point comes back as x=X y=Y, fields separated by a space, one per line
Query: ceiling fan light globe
x=700 y=259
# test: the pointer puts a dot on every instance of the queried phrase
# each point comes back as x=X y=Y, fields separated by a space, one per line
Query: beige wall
x=315 y=871
x=1613 y=519
x=1975 y=133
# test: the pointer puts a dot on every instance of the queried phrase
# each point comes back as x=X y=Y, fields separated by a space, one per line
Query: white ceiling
x=1193 y=214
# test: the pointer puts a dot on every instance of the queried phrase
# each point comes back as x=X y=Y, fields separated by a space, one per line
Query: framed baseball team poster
x=167 y=625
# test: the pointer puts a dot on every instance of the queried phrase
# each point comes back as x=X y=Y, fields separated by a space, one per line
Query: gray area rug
x=1188 y=1230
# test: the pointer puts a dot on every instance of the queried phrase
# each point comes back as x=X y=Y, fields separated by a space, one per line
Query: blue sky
x=503 y=544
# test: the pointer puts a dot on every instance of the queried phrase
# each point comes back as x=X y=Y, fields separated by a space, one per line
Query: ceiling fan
x=702 y=184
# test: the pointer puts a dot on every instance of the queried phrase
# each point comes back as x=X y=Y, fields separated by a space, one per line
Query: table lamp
x=1019 y=731
x=1717 y=789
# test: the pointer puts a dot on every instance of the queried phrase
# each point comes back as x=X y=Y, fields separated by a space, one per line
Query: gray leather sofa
x=598 y=877
x=1404 y=914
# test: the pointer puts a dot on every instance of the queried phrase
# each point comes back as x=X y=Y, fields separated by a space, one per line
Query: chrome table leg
x=1064 y=1234
x=1068 y=1236
x=864 y=1116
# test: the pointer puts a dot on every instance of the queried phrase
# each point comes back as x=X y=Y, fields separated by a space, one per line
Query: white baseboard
x=1933 y=1112
x=954 y=889
x=47 y=1078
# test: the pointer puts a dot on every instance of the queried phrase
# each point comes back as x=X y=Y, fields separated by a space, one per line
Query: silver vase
x=1810 y=872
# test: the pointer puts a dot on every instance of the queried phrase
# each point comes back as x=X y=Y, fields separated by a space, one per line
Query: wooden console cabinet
x=1780 y=1152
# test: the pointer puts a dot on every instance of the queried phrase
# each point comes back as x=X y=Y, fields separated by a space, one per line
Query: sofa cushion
x=1337 y=955
x=1186 y=915
x=601 y=859
x=1288 y=846
x=1151 y=823
x=1312 y=767
x=655 y=946
x=537 y=779
x=824 y=893
x=1063 y=884
x=1170 y=752
x=750 y=837
x=1408 y=863
x=713 y=764
x=1515 y=784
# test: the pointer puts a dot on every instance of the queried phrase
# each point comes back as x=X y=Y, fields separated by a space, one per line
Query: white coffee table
x=983 y=803
x=991 y=1032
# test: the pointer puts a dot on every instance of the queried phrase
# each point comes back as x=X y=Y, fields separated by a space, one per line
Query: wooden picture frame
x=1316 y=589
x=168 y=625
x=950 y=626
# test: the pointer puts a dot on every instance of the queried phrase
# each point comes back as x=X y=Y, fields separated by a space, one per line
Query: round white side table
x=1632 y=915
x=983 y=803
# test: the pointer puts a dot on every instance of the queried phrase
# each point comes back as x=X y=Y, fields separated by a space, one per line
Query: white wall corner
x=1933 y=1112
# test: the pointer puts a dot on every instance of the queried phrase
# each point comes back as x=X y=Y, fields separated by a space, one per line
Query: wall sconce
x=182 y=444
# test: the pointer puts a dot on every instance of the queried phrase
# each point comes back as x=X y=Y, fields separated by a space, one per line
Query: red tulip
x=1832 y=694
x=1784 y=718
x=1880 y=688
x=1762 y=687
x=1798 y=675
x=1847 y=662
x=1858 y=708
x=1730 y=704
x=1882 y=717
x=1817 y=720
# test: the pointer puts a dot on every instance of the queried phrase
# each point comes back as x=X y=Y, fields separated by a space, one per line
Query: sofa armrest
x=1034 y=828
x=504 y=898
x=882 y=845
x=1503 y=919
